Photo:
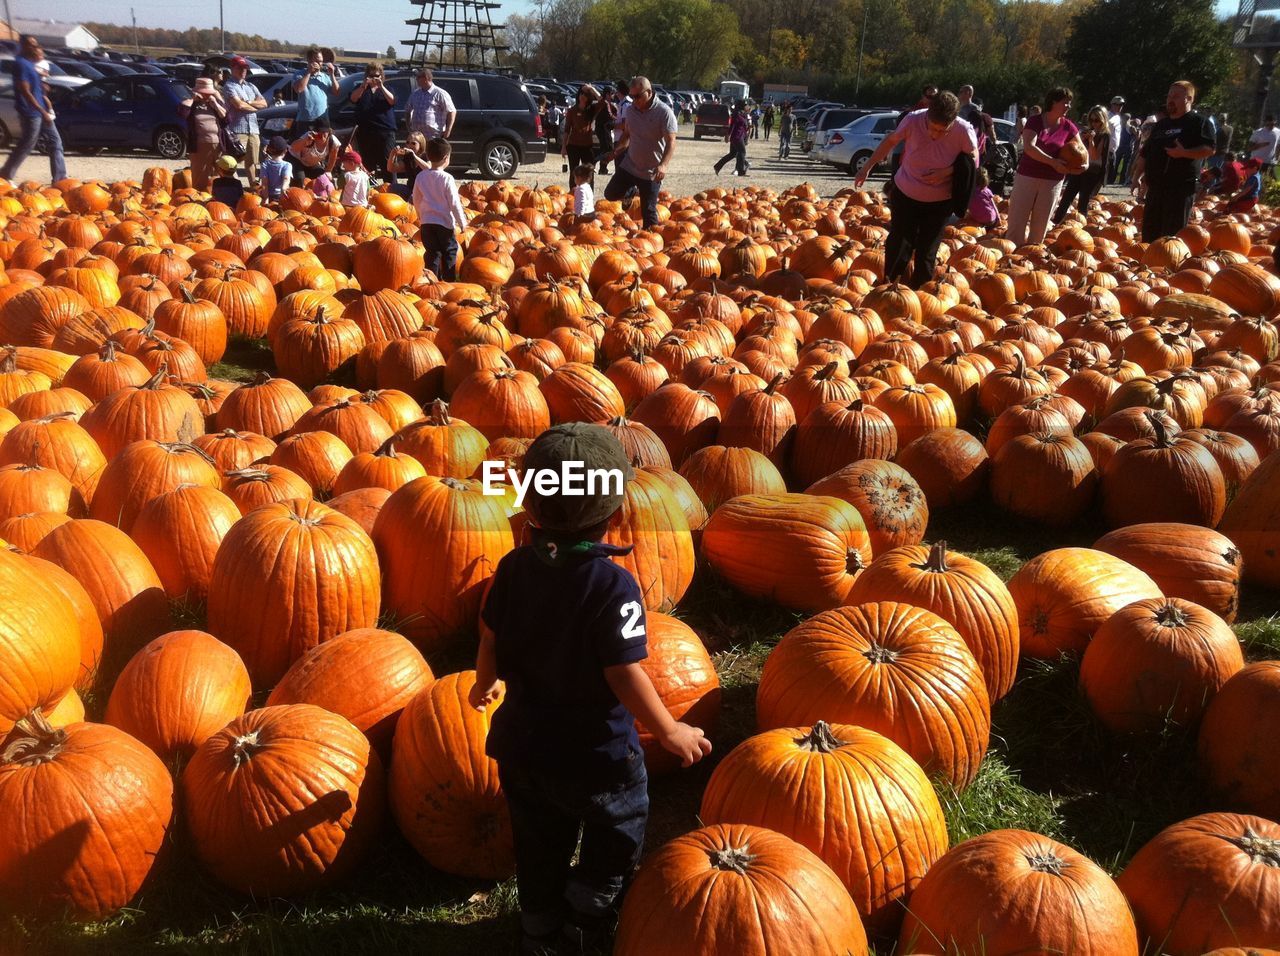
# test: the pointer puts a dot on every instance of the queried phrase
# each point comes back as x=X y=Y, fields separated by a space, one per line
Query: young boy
x=275 y=172
x=435 y=197
x=227 y=188
x=584 y=197
x=355 y=182
x=1251 y=190
x=566 y=632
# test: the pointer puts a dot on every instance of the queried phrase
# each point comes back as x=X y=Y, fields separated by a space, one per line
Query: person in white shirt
x=431 y=110
x=584 y=197
x=355 y=184
x=1115 y=127
x=439 y=207
x=1263 y=143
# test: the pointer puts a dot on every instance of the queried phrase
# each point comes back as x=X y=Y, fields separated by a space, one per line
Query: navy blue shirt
x=559 y=619
x=25 y=71
x=373 y=111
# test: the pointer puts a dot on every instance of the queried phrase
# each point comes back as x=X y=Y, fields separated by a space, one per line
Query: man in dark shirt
x=1169 y=163
x=1223 y=142
x=35 y=113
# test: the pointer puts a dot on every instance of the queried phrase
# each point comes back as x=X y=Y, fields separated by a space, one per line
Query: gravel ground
x=691 y=170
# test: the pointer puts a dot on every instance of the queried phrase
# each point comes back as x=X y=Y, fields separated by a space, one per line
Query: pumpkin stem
x=853 y=562
x=820 y=739
x=32 y=741
x=1170 y=615
x=108 y=351
x=250 y=474
x=261 y=378
x=936 y=563
x=245 y=746
x=456 y=484
x=735 y=859
x=187 y=294
x=439 y=412
x=10 y=361
x=827 y=370
x=1047 y=863
x=1162 y=433
x=1259 y=849
x=879 y=654
x=154 y=381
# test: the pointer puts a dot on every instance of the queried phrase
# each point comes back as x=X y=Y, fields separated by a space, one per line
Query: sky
x=372 y=25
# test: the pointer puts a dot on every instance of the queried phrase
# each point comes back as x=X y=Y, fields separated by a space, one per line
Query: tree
x=524 y=36
x=391 y=52
x=1138 y=47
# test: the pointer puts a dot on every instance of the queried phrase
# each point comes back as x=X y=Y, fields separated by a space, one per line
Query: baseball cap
x=277 y=144
x=595 y=448
x=353 y=156
x=239 y=61
x=1117 y=99
x=226 y=163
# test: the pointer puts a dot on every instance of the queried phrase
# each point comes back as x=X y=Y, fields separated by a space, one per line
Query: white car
x=10 y=124
x=850 y=146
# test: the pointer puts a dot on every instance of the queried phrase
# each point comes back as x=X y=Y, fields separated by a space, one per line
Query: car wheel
x=499 y=160
x=170 y=143
x=857 y=161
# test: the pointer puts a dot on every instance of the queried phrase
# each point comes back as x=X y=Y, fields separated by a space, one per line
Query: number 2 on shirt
x=631 y=627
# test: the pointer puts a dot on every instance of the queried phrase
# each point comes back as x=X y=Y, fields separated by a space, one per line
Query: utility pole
x=134 y=17
x=222 y=28
x=862 y=44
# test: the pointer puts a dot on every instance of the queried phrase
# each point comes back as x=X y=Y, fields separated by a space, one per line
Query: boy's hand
x=480 y=697
x=688 y=743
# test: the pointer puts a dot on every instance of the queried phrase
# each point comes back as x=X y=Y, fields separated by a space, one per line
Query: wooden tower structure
x=456 y=34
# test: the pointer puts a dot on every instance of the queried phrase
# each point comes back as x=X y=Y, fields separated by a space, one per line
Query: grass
x=1051 y=768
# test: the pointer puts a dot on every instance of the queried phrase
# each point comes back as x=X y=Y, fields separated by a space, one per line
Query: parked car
x=497 y=130
x=124 y=112
x=710 y=119
x=81 y=68
x=850 y=146
x=824 y=121
x=9 y=122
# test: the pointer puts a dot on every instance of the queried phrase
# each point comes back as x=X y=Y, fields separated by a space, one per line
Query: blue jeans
x=547 y=811
x=33 y=129
x=621 y=184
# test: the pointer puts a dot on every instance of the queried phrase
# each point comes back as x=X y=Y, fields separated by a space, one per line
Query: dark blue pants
x=622 y=182
x=33 y=129
x=548 y=810
x=737 y=155
x=440 y=251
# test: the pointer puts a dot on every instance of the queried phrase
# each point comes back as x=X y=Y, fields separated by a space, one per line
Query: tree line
x=190 y=40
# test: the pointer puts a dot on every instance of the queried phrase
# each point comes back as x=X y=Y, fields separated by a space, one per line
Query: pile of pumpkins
x=793 y=420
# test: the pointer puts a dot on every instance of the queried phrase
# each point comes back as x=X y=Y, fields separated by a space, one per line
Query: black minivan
x=497 y=130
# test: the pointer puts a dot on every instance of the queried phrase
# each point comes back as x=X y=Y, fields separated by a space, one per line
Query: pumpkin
x=1192 y=489
x=180 y=532
x=357 y=423
x=1237 y=736
x=717 y=473
x=892 y=505
x=144 y=470
x=1252 y=522
x=684 y=419
x=963 y=592
x=1210 y=881
x=1044 y=477
x=153 y=410
x=265 y=406
x=317 y=457
x=685 y=680
x=950 y=466
x=444 y=790
x=445 y=446
x=576 y=392
x=834 y=434
x=1064 y=595
x=1010 y=891
x=1185 y=561
x=863 y=665
x=801 y=551
x=743 y=886
x=268 y=595
x=763 y=421
x=365 y=675
x=282 y=800
x=502 y=403
x=439 y=542
x=361 y=506
x=41 y=640
x=652 y=523
x=178 y=691
x=115 y=573
x=1157 y=662
x=95 y=782
x=805 y=782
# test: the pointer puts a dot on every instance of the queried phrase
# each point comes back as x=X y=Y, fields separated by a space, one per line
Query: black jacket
x=964 y=179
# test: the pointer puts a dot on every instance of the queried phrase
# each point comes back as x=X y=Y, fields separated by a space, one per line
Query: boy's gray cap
x=597 y=448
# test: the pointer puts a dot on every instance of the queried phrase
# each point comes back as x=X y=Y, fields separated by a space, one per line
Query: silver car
x=850 y=146
x=9 y=122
